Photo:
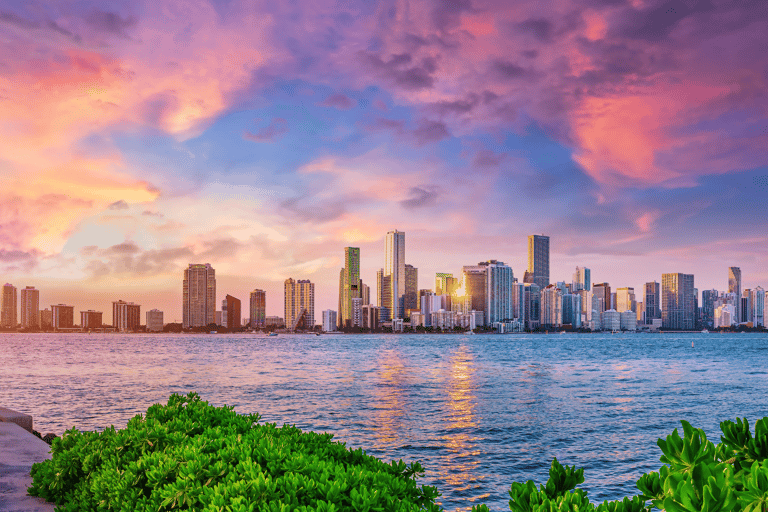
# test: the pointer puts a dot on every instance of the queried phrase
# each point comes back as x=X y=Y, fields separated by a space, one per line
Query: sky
x=264 y=137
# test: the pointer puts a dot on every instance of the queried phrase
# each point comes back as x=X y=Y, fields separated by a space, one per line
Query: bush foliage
x=698 y=475
x=190 y=455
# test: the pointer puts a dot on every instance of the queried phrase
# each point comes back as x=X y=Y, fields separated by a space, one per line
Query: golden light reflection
x=460 y=469
x=389 y=404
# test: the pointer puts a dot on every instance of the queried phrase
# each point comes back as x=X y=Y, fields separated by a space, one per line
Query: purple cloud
x=277 y=127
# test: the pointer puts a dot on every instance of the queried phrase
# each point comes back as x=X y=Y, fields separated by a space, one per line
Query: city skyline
x=394 y=244
x=140 y=136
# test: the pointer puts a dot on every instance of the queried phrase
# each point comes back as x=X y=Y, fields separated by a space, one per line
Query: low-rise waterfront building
x=155 y=320
x=91 y=319
x=62 y=316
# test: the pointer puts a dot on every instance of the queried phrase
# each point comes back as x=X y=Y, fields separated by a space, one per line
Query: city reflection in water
x=459 y=427
x=389 y=404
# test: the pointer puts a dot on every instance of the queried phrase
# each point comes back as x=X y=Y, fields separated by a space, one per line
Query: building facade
x=299 y=304
x=9 y=306
x=475 y=285
x=652 y=301
x=91 y=319
x=582 y=279
x=734 y=286
x=625 y=300
x=62 y=316
x=538 y=259
x=394 y=268
x=199 y=296
x=411 y=297
x=349 y=286
x=30 y=308
x=329 y=320
x=126 y=316
x=601 y=297
x=499 y=293
x=551 y=307
x=155 y=320
x=677 y=301
x=445 y=283
x=258 y=308
x=233 y=313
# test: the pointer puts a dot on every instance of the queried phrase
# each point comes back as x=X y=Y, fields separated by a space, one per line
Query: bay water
x=478 y=412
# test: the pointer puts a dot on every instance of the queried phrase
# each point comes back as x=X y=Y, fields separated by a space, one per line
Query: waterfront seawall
x=19 y=449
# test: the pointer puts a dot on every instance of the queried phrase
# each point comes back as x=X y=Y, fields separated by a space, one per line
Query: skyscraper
x=652 y=302
x=625 y=300
x=582 y=279
x=734 y=286
x=349 y=285
x=498 y=291
x=199 y=296
x=258 y=308
x=126 y=316
x=411 y=297
x=394 y=268
x=8 y=306
x=233 y=312
x=30 y=308
x=474 y=281
x=445 y=284
x=551 y=306
x=383 y=294
x=299 y=304
x=601 y=296
x=708 y=300
x=677 y=301
x=538 y=259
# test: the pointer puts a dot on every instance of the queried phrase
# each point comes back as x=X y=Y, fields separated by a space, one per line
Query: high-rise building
x=572 y=309
x=475 y=285
x=233 y=308
x=62 y=316
x=757 y=302
x=538 y=259
x=126 y=316
x=625 y=299
x=532 y=306
x=46 y=319
x=445 y=284
x=258 y=308
x=498 y=292
x=30 y=308
x=745 y=314
x=349 y=285
x=652 y=302
x=394 y=268
x=8 y=306
x=601 y=297
x=91 y=319
x=708 y=300
x=411 y=297
x=155 y=320
x=383 y=293
x=299 y=304
x=199 y=296
x=329 y=320
x=677 y=301
x=551 y=306
x=734 y=286
x=582 y=279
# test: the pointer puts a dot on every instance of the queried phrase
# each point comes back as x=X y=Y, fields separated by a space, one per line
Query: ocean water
x=478 y=412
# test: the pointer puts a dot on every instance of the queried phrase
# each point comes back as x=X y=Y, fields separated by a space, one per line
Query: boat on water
x=704 y=331
x=272 y=334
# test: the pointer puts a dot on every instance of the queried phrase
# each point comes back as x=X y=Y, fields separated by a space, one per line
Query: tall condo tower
x=582 y=279
x=394 y=268
x=678 y=308
x=499 y=292
x=734 y=286
x=652 y=302
x=30 y=308
x=8 y=306
x=299 y=304
x=199 y=296
x=349 y=285
x=258 y=308
x=538 y=259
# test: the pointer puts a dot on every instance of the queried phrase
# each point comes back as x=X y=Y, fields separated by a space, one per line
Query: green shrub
x=698 y=476
x=190 y=455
